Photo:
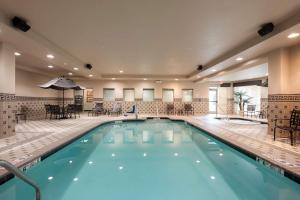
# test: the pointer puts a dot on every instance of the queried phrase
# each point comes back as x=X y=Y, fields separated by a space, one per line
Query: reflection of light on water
x=220 y=154
x=113 y=155
x=197 y=161
x=212 y=177
x=84 y=141
x=175 y=154
x=144 y=154
x=90 y=162
x=121 y=167
x=75 y=179
x=70 y=161
x=50 y=178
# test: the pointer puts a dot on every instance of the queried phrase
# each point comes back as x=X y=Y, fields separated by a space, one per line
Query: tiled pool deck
x=36 y=138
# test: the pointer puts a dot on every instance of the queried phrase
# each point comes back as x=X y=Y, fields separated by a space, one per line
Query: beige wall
x=284 y=71
x=294 y=72
x=7 y=69
x=27 y=85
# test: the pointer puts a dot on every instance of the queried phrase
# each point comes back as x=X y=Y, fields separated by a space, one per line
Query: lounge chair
x=292 y=127
x=98 y=109
x=116 y=109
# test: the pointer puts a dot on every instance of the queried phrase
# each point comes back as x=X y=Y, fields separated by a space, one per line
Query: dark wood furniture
x=292 y=127
x=188 y=109
x=170 y=109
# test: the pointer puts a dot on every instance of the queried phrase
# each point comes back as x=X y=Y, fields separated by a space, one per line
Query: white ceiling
x=147 y=37
x=258 y=71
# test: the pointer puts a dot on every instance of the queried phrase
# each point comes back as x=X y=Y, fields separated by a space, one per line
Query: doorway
x=212 y=100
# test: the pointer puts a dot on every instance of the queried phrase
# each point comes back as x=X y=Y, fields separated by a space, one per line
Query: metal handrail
x=11 y=168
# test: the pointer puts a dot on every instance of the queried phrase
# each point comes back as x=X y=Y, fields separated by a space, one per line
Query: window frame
x=148 y=89
x=130 y=89
x=182 y=98
x=167 y=89
x=113 y=89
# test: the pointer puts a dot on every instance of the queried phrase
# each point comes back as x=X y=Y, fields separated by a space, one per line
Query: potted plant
x=241 y=98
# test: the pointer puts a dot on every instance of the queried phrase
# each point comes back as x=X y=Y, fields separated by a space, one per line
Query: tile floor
x=36 y=138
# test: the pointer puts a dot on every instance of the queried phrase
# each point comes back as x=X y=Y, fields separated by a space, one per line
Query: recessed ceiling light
x=121 y=71
x=145 y=79
x=70 y=73
x=113 y=78
x=293 y=35
x=176 y=79
x=76 y=68
x=213 y=70
x=239 y=59
x=91 y=75
x=267 y=74
x=50 y=66
x=50 y=56
x=17 y=54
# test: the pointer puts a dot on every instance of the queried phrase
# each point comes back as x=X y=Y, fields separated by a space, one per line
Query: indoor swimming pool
x=151 y=160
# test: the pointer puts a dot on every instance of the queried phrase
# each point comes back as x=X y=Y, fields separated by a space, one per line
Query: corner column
x=284 y=85
x=7 y=91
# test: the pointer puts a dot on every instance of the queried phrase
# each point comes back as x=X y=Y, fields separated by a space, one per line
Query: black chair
x=292 y=127
x=188 y=109
x=23 y=113
x=170 y=109
x=56 y=111
x=250 y=110
x=71 y=110
x=48 y=110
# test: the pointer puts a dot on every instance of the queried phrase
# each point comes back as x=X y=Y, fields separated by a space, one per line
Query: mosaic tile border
x=284 y=98
x=7 y=97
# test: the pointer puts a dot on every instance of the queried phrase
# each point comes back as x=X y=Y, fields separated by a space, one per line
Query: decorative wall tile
x=280 y=107
x=7 y=115
x=36 y=105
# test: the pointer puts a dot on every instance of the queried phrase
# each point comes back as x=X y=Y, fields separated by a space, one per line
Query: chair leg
x=292 y=138
x=274 y=132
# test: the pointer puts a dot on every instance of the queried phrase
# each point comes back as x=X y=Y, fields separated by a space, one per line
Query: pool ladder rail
x=14 y=170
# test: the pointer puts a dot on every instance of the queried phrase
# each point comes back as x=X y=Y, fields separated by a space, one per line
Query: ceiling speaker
x=89 y=66
x=20 y=23
x=266 y=29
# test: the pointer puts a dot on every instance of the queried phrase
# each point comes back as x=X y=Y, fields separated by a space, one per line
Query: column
x=284 y=86
x=7 y=90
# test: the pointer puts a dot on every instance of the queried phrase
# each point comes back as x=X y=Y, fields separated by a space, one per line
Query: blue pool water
x=152 y=160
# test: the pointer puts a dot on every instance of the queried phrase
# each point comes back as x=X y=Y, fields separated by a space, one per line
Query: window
x=187 y=95
x=128 y=94
x=168 y=95
x=108 y=94
x=148 y=94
